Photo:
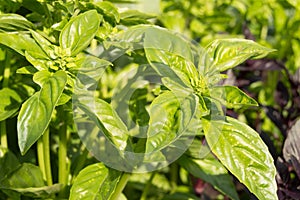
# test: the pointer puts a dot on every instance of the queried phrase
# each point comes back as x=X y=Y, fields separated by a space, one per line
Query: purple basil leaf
x=291 y=148
x=281 y=95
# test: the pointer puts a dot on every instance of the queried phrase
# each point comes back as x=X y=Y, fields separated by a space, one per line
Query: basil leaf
x=228 y=53
x=212 y=171
x=36 y=112
x=243 y=153
x=8 y=162
x=231 y=97
x=95 y=182
x=79 y=32
x=170 y=116
x=21 y=43
x=14 y=22
x=10 y=103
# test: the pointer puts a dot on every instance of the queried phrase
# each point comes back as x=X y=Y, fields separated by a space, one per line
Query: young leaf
x=79 y=32
x=228 y=53
x=95 y=182
x=243 y=153
x=231 y=96
x=212 y=171
x=170 y=116
x=36 y=112
x=10 y=103
x=47 y=47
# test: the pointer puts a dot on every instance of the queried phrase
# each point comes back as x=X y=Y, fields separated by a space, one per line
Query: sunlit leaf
x=14 y=22
x=95 y=182
x=231 y=96
x=21 y=43
x=36 y=112
x=241 y=150
x=169 y=117
x=228 y=53
x=79 y=32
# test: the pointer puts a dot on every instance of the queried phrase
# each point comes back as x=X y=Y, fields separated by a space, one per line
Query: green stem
x=46 y=147
x=6 y=74
x=40 y=154
x=62 y=160
x=121 y=185
x=80 y=162
x=173 y=176
x=3 y=140
x=147 y=187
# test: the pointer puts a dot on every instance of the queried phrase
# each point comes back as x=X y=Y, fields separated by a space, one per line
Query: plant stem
x=173 y=176
x=121 y=185
x=3 y=140
x=80 y=162
x=46 y=147
x=6 y=74
x=40 y=154
x=62 y=159
x=147 y=187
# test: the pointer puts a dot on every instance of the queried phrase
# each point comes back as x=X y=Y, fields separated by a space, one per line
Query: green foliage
x=110 y=84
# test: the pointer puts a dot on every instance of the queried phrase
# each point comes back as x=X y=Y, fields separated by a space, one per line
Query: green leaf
x=90 y=69
x=170 y=116
x=95 y=182
x=228 y=53
x=21 y=43
x=231 y=97
x=26 y=175
x=164 y=47
x=241 y=150
x=36 y=112
x=212 y=171
x=38 y=62
x=14 y=22
x=134 y=17
x=79 y=32
x=27 y=179
x=47 y=47
x=8 y=162
x=109 y=11
x=10 y=103
x=106 y=119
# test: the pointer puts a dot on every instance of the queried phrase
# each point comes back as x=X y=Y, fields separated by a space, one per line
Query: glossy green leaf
x=212 y=171
x=79 y=32
x=45 y=45
x=162 y=46
x=37 y=61
x=109 y=11
x=170 y=116
x=231 y=97
x=38 y=192
x=14 y=22
x=21 y=43
x=243 y=153
x=95 y=182
x=9 y=104
x=36 y=112
x=106 y=119
x=228 y=53
x=90 y=69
